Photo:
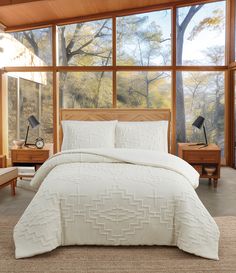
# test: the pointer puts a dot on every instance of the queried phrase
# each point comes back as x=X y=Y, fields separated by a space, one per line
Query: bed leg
x=209 y=181
x=215 y=183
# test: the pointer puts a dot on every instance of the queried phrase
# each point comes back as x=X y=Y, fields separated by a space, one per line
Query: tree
x=38 y=41
x=85 y=44
x=180 y=107
x=214 y=21
x=140 y=41
x=89 y=44
x=204 y=95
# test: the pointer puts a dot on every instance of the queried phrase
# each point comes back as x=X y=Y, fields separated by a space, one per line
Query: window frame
x=230 y=64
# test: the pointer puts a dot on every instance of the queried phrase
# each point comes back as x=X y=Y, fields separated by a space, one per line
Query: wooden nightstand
x=202 y=158
x=30 y=156
x=3 y=161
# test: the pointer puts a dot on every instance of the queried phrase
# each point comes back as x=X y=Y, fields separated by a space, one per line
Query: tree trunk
x=147 y=91
x=64 y=62
x=180 y=107
x=96 y=104
x=217 y=118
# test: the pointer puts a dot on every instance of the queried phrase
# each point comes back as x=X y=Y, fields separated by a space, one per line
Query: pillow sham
x=150 y=135
x=88 y=134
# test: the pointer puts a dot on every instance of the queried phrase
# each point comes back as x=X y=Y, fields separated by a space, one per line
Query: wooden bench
x=8 y=176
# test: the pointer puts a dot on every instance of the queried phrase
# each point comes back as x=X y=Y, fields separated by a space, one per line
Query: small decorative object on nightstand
x=30 y=156
x=39 y=143
x=19 y=142
x=206 y=160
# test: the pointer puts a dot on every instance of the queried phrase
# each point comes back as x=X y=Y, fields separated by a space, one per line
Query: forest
x=141 y=40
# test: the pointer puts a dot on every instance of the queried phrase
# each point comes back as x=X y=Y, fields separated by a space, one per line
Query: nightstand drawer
x=201 y=157
x=25 y=157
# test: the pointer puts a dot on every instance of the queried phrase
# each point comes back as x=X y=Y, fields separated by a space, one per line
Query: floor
x=219 y=202
x=222 y=200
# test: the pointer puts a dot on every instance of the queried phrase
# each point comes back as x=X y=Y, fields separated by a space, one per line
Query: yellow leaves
x=144 y=89
x=214 y=22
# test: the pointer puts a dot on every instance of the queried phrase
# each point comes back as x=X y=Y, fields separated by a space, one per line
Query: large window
x=86 y=44
x=144 y=39
x=201 y=34
x=32 y=48
x=144 y=89
x=163 y=58
x=200 y=41
x=203 y=95
x=30 y=94
x=85 y=89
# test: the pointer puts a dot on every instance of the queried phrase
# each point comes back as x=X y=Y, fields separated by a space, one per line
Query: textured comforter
x=116 y=197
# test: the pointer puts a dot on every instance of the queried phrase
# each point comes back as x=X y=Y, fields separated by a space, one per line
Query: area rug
x=119 y=259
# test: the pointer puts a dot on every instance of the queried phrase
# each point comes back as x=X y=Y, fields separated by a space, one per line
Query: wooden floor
x=219 y=202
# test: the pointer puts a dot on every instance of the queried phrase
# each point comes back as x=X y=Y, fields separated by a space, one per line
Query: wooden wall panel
x=14 y=2
x=49 y=12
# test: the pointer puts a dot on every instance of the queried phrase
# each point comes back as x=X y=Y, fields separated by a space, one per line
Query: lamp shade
x=198 y=122
x=33 y=121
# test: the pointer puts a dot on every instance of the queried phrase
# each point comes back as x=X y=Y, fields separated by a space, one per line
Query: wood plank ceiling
x=23 y=13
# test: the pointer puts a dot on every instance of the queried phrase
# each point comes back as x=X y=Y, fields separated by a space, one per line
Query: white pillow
x=88 y=134
x=150 y=135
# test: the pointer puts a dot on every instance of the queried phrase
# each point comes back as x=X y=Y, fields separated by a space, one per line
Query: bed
x=116 y=194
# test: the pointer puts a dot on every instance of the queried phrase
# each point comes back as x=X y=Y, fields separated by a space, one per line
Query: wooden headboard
x=115 y=114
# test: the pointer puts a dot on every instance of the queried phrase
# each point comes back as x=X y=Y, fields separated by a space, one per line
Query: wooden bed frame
x=115 y=114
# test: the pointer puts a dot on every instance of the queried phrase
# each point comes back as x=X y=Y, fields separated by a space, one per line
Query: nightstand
x=30 y=156
x=206 y=160
x=3 y=161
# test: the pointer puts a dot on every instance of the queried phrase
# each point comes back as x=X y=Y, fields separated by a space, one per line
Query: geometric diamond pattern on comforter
x=116 y=197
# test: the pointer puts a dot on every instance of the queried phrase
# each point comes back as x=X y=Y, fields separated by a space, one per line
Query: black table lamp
x=33 y=122
x=199 y=123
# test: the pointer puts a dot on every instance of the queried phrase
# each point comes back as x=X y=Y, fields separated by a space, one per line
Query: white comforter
x=116 y=197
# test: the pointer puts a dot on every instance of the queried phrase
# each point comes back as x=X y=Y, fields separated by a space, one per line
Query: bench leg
x=13 y=185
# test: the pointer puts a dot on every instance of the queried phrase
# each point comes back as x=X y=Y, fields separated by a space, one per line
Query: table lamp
x=199 y=123
x=33 y=122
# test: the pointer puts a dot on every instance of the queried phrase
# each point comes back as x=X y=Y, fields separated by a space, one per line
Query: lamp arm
x=204 y=130
x=26 y=137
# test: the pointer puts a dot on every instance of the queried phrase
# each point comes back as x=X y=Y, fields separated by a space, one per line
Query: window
x=203 y=94
x=143 y=75
x=30 y=93
x=144 y=39
x=201 y=34
x=85 y=89
x=86 y=44
x=32 y=47
x=144 y=89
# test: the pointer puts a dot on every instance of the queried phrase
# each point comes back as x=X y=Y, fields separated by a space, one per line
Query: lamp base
x=196 y=144
x=205 y=145
x=29 y=144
